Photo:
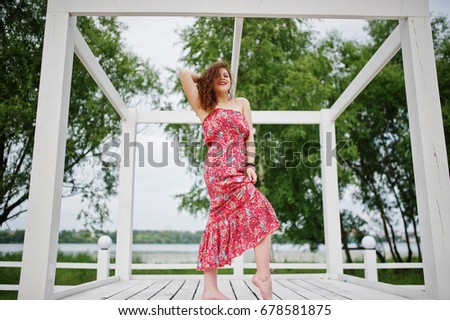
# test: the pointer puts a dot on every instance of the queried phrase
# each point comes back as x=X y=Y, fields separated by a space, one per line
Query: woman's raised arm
x=189 y=80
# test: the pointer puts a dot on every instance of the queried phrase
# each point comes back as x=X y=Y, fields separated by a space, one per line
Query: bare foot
x=264 y=285
x=217 y=295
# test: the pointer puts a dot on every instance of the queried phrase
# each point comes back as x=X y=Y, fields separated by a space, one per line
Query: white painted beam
x=258 y=117
x=84 y=287
x=330 y=196
x=91 y=64
x=126 y=197
x=286 y=117
x=238 y=25
x=429 y=153
x=290 y=265
x=381 y=57
x=37 y=276
x=333 y=9
x=238 y=265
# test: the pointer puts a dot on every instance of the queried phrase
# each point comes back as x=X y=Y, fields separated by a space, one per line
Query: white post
x=37 y=276
x=370 y=265
x=370 y=258
x=429 y=154
x=237 y=36
x=330 y=195
x=238 y=265
x=103 y=258
x=126 y=197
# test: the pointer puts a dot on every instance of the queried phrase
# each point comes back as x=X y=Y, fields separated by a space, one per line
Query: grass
x=394 y=276
x=9 y=275
x=63 y=276
x=79 y=276
x=174 y=271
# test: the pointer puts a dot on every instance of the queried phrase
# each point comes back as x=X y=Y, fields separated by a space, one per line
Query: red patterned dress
x=240 y=216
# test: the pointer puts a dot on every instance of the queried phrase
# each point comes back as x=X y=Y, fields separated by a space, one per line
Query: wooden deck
x=285 y=287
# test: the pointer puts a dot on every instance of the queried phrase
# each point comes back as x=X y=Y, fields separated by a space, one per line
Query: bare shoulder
x=243 y=103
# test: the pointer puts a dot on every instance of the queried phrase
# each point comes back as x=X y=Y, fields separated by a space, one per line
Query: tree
x=92 y=121
x=441 y=36
x=283 y=67
x=377 y=124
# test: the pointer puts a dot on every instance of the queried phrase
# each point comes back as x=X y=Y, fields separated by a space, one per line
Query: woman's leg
x=262 y=278
x=210 y=288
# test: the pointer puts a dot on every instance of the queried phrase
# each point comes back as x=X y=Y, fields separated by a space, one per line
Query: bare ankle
x=214 y=295
x=263 y=276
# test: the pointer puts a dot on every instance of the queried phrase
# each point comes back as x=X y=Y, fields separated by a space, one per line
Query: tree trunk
x=405 y=226
x=386 y=223
x=416 y=236
x=2 y=168
x=380 y=256
x=398 y=257
x=389 y=177
x=344 y=239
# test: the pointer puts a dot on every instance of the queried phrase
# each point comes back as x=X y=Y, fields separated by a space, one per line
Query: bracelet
x=246 y=169
x=247 y=165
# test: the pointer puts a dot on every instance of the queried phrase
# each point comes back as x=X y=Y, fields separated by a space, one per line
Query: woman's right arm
x=188 y=80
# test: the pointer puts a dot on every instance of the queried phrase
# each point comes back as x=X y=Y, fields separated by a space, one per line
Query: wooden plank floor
x=286 y=287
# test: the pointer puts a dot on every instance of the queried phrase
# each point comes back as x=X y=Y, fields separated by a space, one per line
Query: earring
x=229 y=94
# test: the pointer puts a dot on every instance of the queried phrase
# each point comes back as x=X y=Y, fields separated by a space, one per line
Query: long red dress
x=240 y=216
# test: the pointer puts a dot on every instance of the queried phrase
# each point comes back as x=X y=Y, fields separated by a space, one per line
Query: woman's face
x=222 y=82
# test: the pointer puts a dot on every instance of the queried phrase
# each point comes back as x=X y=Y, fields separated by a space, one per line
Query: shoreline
x=187 y=253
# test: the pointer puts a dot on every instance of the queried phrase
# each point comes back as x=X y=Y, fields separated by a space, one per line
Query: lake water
x=182 y=253
x=187 y=253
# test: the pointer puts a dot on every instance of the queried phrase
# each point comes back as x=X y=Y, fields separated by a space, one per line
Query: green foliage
x=76 y=236
x=16 y=236
x=63 y=276
x=71 y=277
x=441 y=36
x=394 y=276
x=10 y=275
x=175 y=271
x=92 y=120
x=166 y=237
x=8 y=295
x=283 y=67
x=86 y=236
x=379 y=156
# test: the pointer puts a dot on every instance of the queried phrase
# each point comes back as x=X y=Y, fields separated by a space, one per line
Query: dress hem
x=241 y=250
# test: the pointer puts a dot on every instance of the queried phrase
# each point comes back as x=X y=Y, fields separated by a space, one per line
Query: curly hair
x=205 y=84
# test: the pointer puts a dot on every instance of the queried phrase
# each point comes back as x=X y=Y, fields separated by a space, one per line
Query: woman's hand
x=251 y=174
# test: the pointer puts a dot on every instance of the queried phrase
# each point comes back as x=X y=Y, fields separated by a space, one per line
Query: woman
x=240 y=217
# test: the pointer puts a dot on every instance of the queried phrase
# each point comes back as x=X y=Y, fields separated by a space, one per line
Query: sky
x=154 y=38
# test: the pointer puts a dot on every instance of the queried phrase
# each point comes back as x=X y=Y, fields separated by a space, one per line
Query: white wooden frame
x=62 y=38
